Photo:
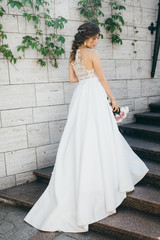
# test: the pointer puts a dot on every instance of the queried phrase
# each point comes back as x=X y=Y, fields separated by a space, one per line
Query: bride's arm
x=72 y=76
x=100 y=74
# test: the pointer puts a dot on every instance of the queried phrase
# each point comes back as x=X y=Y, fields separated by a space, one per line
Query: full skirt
x=94 y=168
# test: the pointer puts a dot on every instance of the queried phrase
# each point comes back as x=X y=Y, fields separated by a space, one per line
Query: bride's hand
x=114 y=105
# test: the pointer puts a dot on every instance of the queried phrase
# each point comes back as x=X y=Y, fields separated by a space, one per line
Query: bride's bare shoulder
x=93 y=53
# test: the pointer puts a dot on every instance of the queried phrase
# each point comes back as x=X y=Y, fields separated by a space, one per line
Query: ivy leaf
x=39 y=2
x=12 y=4
x=29 y=17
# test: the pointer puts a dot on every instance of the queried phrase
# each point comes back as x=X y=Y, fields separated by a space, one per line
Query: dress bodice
x=80 y=69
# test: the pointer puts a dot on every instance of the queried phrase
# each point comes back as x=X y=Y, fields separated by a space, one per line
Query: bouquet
x=121 y=113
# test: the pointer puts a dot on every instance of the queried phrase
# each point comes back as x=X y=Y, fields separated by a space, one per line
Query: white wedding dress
x=94 y=167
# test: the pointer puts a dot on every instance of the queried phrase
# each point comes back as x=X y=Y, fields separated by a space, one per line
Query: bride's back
x=83 y=64
x=85 y=54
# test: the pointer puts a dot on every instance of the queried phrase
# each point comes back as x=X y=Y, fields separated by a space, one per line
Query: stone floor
x=13 y=227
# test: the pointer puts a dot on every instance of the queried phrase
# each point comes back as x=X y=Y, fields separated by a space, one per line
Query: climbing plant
x=4 y=48
x=91 y=10
x=49 y=45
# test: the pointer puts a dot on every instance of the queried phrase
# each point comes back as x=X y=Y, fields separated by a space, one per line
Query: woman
x=95 y=167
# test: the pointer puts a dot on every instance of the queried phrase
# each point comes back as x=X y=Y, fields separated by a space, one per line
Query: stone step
x=125 y=224
x=140 y=130
x=152 y=177
x=155 y=107
x=129 y=224
x=145 y=197
x=151 y=118
x=44 y=174
x=144 y=148
x=26 y=194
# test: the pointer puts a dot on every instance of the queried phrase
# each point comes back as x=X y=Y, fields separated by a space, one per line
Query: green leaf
x=29 y=17
x=12 y=4
x=39 y=2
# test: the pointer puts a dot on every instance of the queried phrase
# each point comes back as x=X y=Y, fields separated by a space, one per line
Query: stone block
x=17 y=96
x=59 y=5
x=2 y=166
x=141 y=54
x=148 y=16
x=124 y=33
x=59 y=74
x=56 y=130
x=24 y=26
x=140 y=35
x=137 y=3
x=128 y=15
x=141 y=103
x=108 y=68
x=44 y=114
x=141 y=69
x=119 y=88
x=150 y=87
x=46 y=155
x=134 y=88
x=9 y=23
x=137 y=17
x=20 y=161
x=149 y=4
x=124 y=51
x=130 y=32
x=4 y=79
x=16 y=117
x=153 y=99
x=123 y=69
x=49 y=94
x=13 y=138
x=6 y=182
x=38 y=134
x=29 y=71
x=104 y=49
x=25 y=177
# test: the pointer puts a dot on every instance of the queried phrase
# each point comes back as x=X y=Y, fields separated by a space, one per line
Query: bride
x=95 y=166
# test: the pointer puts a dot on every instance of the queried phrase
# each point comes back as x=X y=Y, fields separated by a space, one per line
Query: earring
x=85 y=43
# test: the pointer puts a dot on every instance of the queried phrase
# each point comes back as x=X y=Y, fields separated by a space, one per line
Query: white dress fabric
x=94 y=167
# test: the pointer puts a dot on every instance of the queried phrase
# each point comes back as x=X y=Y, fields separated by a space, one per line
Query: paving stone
x=44 y=235
x=5 y=227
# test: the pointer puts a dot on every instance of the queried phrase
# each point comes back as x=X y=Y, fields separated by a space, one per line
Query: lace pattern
x=80 y=69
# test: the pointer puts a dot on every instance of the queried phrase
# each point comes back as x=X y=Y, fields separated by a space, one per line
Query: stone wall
x=34 y=101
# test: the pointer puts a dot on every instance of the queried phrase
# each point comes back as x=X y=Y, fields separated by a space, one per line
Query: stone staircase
x=138 y=217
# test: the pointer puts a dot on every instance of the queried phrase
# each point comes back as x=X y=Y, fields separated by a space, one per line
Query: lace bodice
x=80 y=69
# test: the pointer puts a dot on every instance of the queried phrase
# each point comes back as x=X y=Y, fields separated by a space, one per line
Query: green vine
x=4 y=48
x=52 y=46
x=91 y=10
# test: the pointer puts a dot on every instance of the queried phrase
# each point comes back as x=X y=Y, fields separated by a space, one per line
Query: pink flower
x=121 y=113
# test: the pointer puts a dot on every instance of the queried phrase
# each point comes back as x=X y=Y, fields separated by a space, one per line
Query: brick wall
x=34 y=101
